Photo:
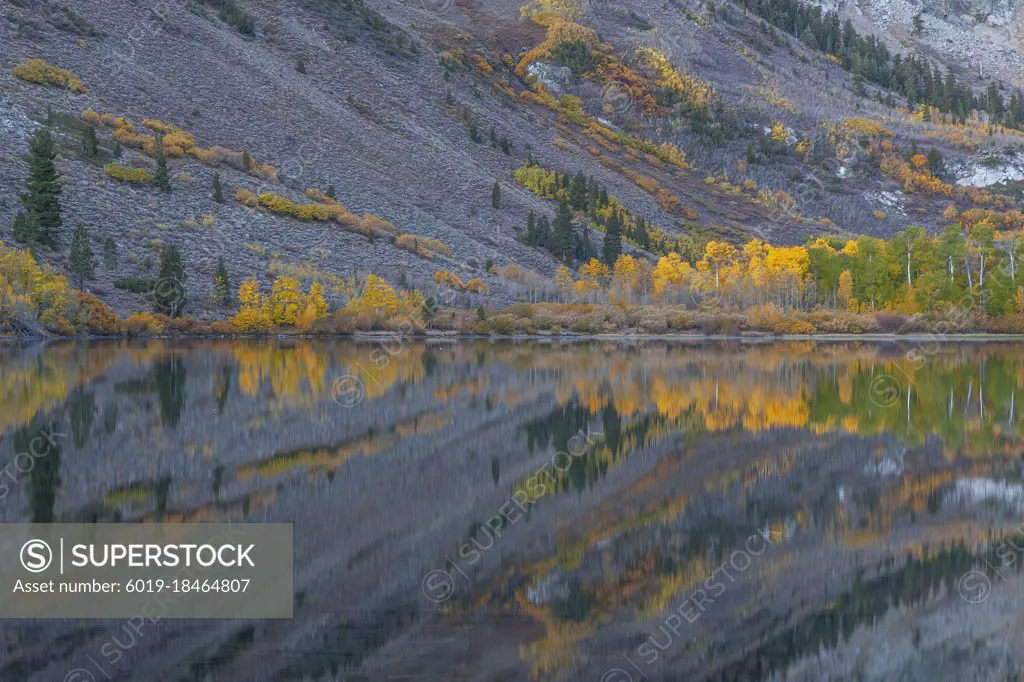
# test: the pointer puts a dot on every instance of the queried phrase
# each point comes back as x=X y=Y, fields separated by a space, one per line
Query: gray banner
x=188 y=570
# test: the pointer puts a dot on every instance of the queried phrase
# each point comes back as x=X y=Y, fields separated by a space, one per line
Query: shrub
x=93 y=118
x=244 y=196
x=503 y=323
x=38 y=71
x=521 y=310
x=282 y=206
x=146 y=324
x=653 y=321
x=97 y=317
x=378 y=225
x=448 y=279
x=136 y=285
x=889 y=322
x=186 y=326
x=119 y=171
x=1005 y=324
x=476 y=286
x=841 y=322
x=793 y=325
x=719 y=323
x=422 y=246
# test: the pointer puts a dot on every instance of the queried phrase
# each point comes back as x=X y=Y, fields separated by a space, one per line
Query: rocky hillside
x=981 y=36
x=707 y=122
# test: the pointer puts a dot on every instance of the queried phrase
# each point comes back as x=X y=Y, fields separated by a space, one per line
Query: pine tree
x=218 y=190
x=918 y=24
x=544 y=236
x=935 y=161
x=578 y=191
x=429 y=310
x=506 y=146
x=493 y=136
x=109 y=253
x=25 y=229
x=90 y=147
x=642 y=237
x=169 y=294
x=474 y=134
x=81 y=263
x=330 y=192
x=42 y=198
x=161 y=179
x=563 y=237
x=496 y=196
x=247 y=161
x=221 y=283
x=300 y=65
x=531 y=230
x=582 y=249
x=612 y=240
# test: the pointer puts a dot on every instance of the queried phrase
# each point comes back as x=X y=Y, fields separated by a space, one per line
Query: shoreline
x=683 y=337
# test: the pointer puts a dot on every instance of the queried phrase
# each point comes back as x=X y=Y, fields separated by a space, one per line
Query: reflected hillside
x=875 y=476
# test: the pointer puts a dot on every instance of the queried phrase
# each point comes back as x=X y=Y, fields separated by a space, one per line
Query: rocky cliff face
x=984 y=37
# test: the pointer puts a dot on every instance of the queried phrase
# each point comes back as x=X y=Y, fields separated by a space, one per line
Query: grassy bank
x=558 y=319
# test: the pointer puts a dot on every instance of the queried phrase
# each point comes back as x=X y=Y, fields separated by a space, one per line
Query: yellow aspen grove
x=845 y=290
x=670 y=272
x=719 y=254
x=788 y=267
x=285 y=301
x=564 y=279
x=626 y=278
x=378 y=298
x=593 y=276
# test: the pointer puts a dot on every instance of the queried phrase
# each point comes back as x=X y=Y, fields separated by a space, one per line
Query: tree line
x=868 y=59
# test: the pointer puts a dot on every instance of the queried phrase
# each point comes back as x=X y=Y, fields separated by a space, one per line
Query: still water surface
x=547 y=511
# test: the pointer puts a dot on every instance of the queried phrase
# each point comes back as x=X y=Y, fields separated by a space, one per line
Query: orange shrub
x=145 y=324
x=93 y=118
x=476 y=286
x=97 y=317
x=244 y=196
x=445 y=278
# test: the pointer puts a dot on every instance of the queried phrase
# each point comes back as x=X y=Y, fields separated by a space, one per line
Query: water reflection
x=880 y=479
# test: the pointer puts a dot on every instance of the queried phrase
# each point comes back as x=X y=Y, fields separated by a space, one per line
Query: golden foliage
x=39 y=71
x=379 y=302
x=562 y=144
x=422 y=246
x=480 y=62
x=778 y=133
x=124 y=173
x=275 y=203
x=477 y=286
x=177 y=142
x=866 y=126
x=448 y=279
x=30 y=294
x=286 y=305
x=691 y=89
x=145 y=324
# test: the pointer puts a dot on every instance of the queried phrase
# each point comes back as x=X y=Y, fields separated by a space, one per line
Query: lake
x=590 y=510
